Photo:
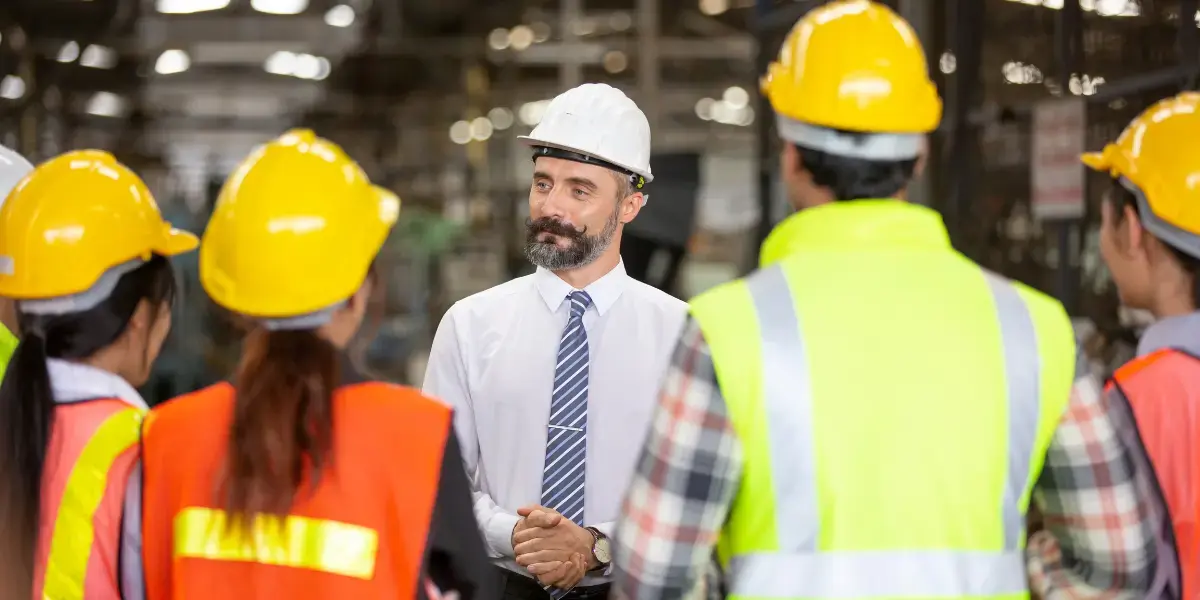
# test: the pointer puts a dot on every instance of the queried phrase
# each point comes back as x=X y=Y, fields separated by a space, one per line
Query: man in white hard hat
x=554 y=376
x=13 y=168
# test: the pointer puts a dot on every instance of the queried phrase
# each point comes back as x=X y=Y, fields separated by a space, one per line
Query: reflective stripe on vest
x=800 y=569
x=71 y=544
x=303 y=543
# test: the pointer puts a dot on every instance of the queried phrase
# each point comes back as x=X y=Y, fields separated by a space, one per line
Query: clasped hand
x=552 y=548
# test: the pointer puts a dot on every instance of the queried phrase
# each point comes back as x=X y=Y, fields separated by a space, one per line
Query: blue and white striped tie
x=566 y=434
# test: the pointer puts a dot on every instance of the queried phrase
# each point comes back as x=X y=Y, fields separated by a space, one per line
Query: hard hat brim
x=177 y=241
x=532 y=141
x=389 y=206
x=1096 y=161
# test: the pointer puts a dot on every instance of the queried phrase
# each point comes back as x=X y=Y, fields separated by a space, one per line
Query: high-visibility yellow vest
x=894 y=403
x=8 y=343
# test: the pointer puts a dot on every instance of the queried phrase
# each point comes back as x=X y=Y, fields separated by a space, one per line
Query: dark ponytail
x=27 y=402
x=282 y=423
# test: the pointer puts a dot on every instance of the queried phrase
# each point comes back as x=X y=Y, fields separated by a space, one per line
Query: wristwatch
x=601 y=548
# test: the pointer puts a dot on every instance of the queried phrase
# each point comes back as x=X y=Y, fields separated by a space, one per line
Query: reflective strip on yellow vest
x=71 y=544
x=299 y=542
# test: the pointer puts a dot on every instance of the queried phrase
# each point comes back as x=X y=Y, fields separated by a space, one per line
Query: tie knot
x=579 y=303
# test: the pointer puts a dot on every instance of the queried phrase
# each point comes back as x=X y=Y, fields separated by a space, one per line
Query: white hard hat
x=13 y=168
x=595 y=123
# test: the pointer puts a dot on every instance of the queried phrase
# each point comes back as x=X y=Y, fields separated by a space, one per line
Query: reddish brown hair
x=283 y=420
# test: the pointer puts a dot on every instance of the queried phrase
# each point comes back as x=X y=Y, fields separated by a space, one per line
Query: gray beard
x=548 y=255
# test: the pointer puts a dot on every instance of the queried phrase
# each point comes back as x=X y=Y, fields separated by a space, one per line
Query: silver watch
x=601 y=547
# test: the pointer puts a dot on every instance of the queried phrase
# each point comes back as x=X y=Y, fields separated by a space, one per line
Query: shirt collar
x=604 y=291
x=1182 y=331
x=857 y=224
x=74 y=382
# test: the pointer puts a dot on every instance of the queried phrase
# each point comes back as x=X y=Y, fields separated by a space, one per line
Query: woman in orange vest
x=1150 y=240
x=304 y=479
x=83 y=252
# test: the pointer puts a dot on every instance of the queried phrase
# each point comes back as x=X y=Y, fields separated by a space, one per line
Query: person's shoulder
x=192 y=406
x=487 y=300
x=649 y=295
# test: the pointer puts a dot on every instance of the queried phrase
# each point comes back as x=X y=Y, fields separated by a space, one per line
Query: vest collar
x=857 y=224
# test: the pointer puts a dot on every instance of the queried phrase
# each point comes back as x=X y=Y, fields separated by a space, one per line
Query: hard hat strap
x=82 y=301
x=867 y=146
x=636 y=180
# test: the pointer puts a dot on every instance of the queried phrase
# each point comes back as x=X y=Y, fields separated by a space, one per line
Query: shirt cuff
x=607 y=529
x=499 y=533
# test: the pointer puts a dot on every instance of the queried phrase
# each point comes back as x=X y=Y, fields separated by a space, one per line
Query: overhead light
x=12 y=87
x=303 y=66
x=521 y=37
x=68 y=53
x=498 y=38
x=948 y=63
x=279 y=7
x=615 y=61
x=481 y=129
x=531 y=113
x=98 y=57
x=736 y=97
x=185 y=7
x=340 y=16
x=713 y=7
x=501 y=118
x=1021 y=73
x=704 y=108
x=460 y=132
x=171 y=62
x=106 y=104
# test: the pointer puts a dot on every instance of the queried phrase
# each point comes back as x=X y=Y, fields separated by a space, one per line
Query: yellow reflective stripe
x=880 y=574
x=71 y=544
x=301 y=542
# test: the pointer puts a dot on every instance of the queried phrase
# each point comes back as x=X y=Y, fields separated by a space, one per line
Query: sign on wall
x=1059 y=131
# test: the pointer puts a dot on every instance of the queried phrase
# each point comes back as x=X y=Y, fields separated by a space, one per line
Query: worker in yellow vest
x=865 y=415
x=13 y=168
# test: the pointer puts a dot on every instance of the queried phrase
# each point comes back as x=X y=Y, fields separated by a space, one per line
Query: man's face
x=573 y=213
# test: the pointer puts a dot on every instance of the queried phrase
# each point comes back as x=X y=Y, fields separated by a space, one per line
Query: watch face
x=602 y=551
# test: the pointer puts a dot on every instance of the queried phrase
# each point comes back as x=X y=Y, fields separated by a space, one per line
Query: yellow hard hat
x=73 y=219
x=1158 y=158
x=854 y=65
x=295 y=229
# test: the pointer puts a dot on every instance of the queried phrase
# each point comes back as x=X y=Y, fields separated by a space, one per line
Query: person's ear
x=922 y=158
x=1132 y=232
x=631 y=206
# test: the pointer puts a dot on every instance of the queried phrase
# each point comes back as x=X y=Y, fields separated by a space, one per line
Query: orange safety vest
x=361 y=533
x=93 y=448
x=1163 y=390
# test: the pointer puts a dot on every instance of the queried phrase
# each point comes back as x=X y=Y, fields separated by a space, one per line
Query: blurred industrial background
x=429 y=95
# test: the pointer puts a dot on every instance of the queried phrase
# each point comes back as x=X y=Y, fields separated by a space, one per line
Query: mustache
x=554 y=227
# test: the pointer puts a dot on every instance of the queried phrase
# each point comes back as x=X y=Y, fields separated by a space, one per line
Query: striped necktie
x=566 y=434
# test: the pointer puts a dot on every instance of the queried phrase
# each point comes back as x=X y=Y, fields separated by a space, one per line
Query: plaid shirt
x=1097 y=543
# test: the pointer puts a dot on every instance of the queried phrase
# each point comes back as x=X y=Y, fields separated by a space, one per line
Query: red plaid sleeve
x=684 y=483
x=1097 y=497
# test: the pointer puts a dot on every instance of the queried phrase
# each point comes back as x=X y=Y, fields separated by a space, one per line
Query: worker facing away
x=13 y=168
x=1150 y=240
x=303 y=478
x=83 y=251
x=552 y=374
x=865 y=415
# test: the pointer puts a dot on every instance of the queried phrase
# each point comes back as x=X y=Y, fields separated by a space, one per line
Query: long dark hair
x=27 y=403
x=282 y=431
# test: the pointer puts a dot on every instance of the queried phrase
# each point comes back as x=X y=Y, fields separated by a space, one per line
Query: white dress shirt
x=493 y=359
